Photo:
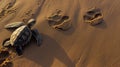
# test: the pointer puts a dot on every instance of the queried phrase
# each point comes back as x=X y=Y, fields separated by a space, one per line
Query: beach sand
x=82 y=45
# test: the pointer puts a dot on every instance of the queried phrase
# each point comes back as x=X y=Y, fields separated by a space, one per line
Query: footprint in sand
x=93 y=16
x=58 y=21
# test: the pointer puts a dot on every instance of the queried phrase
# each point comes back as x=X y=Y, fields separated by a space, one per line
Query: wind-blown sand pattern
x=82 y=45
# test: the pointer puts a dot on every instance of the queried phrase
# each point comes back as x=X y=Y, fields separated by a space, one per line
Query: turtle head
x=31 y=22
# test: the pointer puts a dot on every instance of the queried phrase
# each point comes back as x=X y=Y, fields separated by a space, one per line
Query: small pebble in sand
x=93 y=16
x=58 y=21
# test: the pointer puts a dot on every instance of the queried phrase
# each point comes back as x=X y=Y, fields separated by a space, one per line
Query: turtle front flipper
x=19 y=50
x=14 y=25
x=37 y=36
x=6 y=43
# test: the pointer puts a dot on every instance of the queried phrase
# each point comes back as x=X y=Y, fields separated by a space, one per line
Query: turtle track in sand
x=27 y=15
x=7 y=9
x=4 y=59
x=31 y=12
x=8 y=64
x=4 y=54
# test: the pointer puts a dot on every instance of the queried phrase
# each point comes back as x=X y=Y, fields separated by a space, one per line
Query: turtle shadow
x=47 y=53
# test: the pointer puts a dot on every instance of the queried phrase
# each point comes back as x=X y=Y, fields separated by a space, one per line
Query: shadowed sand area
x=82 y=45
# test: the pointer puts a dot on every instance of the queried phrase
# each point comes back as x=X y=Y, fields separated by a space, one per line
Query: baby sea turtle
x=21 y=36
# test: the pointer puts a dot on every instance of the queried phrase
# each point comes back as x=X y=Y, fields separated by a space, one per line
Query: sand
x=82 y=45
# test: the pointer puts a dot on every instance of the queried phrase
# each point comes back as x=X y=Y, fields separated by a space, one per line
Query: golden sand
x=82 y=45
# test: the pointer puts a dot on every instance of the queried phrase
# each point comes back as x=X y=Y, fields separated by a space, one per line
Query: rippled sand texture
x=82 y=45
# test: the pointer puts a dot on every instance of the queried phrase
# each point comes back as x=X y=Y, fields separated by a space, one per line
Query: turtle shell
x=21 y=36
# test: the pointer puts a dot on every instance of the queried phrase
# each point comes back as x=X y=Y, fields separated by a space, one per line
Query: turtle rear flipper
x=19 y=50
x=14 y=25
x=37 y=36
x=6 y=43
